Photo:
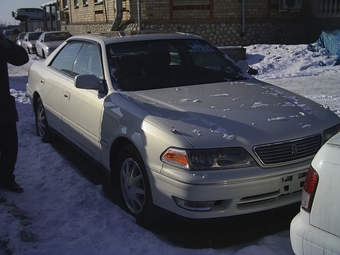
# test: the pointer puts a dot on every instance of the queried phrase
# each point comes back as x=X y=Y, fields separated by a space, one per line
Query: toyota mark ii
x=177 y=125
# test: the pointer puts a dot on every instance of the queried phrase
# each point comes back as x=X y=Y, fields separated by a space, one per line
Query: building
x=223 y=22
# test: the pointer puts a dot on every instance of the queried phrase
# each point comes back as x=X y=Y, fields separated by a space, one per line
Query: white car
x=20 y=38
x=49 y=41
x=316 y=229
x=28 y=42
x=177 y=125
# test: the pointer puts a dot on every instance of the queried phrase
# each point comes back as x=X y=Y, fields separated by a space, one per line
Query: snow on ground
x=61 y=212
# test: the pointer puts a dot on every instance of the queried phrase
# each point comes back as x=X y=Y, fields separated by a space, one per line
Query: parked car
x=177 y=125
x=28 y=43
x=316 y=229
x=10 y=33
x=20 y=38
x=24 y=14
x=49 y=41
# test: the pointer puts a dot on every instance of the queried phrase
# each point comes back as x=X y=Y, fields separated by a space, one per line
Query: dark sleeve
x=16 y=55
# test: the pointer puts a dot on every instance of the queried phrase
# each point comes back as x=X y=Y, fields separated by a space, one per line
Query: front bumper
x=230 y=198
x=49 y=51
x=32 y=49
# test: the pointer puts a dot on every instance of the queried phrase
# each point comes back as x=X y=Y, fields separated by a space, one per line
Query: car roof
x=114 y=37
x=37 y=32
x=54 y=32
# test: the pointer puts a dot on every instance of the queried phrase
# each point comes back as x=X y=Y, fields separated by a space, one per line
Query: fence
x=327 y=9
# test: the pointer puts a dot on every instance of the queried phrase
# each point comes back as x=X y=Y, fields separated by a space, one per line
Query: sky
x=12 y=5
x=62 y=212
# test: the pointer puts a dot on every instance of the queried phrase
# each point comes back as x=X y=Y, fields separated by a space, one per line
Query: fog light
x=194 y=205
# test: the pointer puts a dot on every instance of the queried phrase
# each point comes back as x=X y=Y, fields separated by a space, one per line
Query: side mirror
x=243 y=65
x=87 y=81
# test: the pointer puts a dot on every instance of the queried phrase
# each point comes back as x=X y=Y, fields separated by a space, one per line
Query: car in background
x=49 y=41
x=20 y=38
x=10 y=33
x=28 y=43
x=316 y=229
x=177 y=125
x=24 y=14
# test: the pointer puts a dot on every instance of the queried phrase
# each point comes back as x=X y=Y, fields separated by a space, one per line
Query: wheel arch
x=116 y=148
x=149 y=216
x=35 y=98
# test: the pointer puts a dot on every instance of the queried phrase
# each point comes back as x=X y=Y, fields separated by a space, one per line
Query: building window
x=194 y=9
x=98 y=1
x=85 y=3
x=75 y=3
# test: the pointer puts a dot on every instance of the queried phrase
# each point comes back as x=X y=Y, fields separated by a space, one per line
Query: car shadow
x=191 y=234
x=226 y=232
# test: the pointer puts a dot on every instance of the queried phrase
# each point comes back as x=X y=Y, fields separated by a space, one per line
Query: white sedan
x=177 y=125
x=49 y=41
x=316 y=229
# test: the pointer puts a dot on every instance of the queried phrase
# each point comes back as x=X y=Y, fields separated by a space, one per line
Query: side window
x=89 y=61
x=174 y=55
x=63 y=62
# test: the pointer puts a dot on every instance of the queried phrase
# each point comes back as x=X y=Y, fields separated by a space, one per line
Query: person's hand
x=3 y=40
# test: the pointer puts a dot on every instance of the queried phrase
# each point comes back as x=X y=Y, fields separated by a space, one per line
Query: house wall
x=219 y=21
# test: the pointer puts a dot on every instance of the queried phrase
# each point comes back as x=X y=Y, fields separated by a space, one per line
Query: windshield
x=52 y=37
x=168 y=63
x=33 y=36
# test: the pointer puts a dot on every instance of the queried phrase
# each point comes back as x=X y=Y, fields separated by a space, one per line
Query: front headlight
x=328 y=133
x=213 y=159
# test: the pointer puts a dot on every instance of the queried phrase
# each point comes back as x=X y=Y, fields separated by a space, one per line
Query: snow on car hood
x=247 y=112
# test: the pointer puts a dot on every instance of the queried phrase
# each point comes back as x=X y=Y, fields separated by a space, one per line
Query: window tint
x=89 y=61
x=66 y=57
x=59 y=36
x=155 y=64
x=34 y=36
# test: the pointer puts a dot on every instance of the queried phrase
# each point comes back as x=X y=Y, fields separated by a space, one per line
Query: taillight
x=309 y=189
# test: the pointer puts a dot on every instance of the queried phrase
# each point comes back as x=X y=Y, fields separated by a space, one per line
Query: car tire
x=133 y=186
x=43 y=54
x=41 y=124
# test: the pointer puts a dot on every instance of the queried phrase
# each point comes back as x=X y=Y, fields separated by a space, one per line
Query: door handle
x=67 y=95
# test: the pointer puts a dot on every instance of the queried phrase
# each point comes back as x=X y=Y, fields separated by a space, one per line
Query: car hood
x=233 y=113
x=53 y=44
x=32 y=41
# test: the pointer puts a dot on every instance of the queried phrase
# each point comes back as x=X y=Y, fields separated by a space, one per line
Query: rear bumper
x=308 y=240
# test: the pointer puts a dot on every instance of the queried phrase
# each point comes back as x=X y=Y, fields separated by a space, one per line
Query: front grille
x=283 y=152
